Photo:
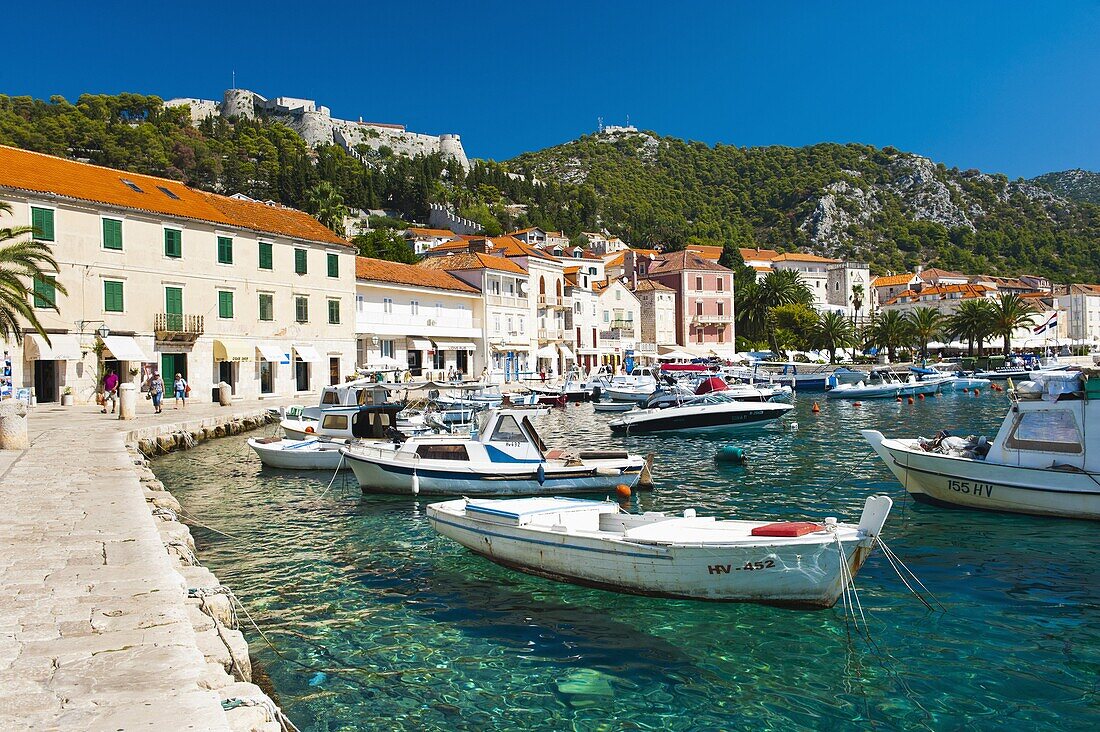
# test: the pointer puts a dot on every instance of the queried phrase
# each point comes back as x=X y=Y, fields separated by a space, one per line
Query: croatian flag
x=1052 y=322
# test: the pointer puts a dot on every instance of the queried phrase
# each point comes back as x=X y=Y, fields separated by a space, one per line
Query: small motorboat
x=337 y=428
x=614 y=407
x=713 y=412
x=1038 y=463
x=475 y=396
x=802 y=564
x=503 y=456
x=633 y=387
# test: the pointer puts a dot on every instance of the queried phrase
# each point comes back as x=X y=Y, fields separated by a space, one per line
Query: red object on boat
x=554 y=400
x=709 y=384
x=787 y=528
x=684 y=367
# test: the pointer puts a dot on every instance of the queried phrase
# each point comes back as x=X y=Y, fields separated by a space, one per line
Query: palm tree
x=889 y=330
x=834 y=330
x=972 y=320
x=924 y=325
x=755 y=302
x=1008 y=312
x=21 y=262
x=327 y=205
x=857 y=297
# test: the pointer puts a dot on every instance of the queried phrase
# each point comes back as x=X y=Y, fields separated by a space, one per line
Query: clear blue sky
x=1008 y=87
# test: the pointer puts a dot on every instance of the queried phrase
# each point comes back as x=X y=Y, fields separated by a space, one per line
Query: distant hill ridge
x=1076 y=184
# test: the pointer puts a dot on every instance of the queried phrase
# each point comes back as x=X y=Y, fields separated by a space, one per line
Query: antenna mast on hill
x=599 y=123
x=234 y=84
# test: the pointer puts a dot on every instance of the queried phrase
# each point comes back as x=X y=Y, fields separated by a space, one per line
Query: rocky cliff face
x=1076 y=185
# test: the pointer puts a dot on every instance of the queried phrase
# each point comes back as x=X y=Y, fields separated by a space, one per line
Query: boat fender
x=309 y=430
x=541 y=474
x=731 y=454
x=622 y=490
x=416 y=484
x=689 y=513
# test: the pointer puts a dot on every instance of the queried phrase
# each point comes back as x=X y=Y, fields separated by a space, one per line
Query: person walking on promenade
x=181 y=389
x=110 y=391
x=156 y=390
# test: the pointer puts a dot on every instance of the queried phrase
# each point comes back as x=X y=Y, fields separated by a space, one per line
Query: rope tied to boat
x=185 y=554
x=897 y=565
x=274 y=714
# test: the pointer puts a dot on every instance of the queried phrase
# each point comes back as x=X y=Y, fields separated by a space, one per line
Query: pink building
x=704 y=299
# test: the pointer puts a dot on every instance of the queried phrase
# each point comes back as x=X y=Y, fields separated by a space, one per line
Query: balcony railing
x=620 y=324
x=555 y=301
x=647 y=347
x=177 y=327
x=506 y=300
x=552 y=334
x=712 y=319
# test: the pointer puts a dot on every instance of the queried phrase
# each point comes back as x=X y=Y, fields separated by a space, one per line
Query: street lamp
x=103 y=331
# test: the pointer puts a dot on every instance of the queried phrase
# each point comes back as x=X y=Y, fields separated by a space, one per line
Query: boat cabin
x=1049 y=424
x=373 y=421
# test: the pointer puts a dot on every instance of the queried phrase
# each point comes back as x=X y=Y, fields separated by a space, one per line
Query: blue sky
x=1003 y=86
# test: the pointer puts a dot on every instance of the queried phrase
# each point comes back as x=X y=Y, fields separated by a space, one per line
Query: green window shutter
x=225 y=250
x=299 y=261
x=112 y=234
x=266 y=261
x=42 y=221
x=301 y=309
x=333 y=265
x=334 y=312
x=225 y=304
x=112 y=296
x=267 y=310
x=45 y=292
x=173 y=243
x=173 y=300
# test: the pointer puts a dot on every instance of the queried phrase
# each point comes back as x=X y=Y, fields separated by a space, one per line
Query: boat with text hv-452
x=503 y=456
x=685 y=556
x=1044 y=460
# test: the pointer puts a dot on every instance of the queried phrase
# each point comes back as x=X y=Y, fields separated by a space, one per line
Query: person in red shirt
x=110 y=391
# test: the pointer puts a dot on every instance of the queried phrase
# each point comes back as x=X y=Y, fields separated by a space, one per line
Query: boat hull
x=967 y=483
x=388 y=475
x=284 y=456
x=799 y=575
x=686 y=419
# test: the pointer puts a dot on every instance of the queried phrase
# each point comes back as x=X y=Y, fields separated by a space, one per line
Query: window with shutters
x=112 y=234
x=42 y=221
x=334 y=312
x=267 y=306
x=225 y=304
x=225 y=250
x=300 y=261
x=301 y=309
x=333 y=265
x=267 y=260
x=173 y=243
x=45 y=291
x=112 y=296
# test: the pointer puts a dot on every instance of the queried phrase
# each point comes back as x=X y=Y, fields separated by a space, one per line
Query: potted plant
x=67 y=397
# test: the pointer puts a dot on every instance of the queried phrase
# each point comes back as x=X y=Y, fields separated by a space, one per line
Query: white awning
x=454 y=346
x=307 y=353
x=234 y=351
x=676 y=356
x=567 y=353
x=272 y=352
x=547 y=351
x=62 y=347
x=125 y=348
x=421 y=344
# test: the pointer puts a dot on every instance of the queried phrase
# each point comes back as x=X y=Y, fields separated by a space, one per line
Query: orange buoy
x=857 y=404
x=899 y=399
x=309 y=430
x=965 y=390
x=910 y=400
x=977 y=392
x=816 y=408
x=921 y=396
x=623 y=491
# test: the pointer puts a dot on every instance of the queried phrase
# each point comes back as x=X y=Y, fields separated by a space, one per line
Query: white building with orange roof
x=619 y=322
x=425 y=319
x=945 y=298
x=423 y=240
x=165 y=277
x=1082 y=307
x=508 y=331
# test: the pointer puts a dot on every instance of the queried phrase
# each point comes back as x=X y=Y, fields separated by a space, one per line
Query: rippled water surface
x=381 y=624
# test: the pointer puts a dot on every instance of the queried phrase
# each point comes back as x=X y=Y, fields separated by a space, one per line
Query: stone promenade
x=95 y=631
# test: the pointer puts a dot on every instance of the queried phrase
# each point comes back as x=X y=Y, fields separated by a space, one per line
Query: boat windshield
x=1045 y=431
x=508 y=430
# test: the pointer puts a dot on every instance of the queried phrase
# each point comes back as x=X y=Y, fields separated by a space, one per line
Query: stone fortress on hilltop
x=317 y=126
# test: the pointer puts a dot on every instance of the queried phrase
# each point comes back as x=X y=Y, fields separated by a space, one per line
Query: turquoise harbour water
x=381 y=624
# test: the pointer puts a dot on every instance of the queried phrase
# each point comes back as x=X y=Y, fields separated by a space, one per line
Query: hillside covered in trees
x=892 y=209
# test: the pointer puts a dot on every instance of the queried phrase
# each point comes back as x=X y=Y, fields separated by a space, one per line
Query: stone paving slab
x=94 y=629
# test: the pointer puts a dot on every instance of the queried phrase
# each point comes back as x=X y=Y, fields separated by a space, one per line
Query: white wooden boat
x=633 y=387
x=613 y=407
x=713 y=412
x=505 y=456
x=1038 y=463
x=688 y=556
x=313 y=454
x=337 y=428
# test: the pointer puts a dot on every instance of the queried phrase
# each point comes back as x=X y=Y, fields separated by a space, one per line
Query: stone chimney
x=478 y=246
x=630 y=268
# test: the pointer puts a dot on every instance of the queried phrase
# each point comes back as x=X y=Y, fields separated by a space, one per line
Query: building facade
x=619 y=319
x=1082 y=310
x=658 y=313
x=421 y=319
x=704 y=300
x=168 y=278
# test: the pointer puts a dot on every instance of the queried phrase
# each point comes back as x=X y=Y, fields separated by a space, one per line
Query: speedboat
x=504 y=456
x=614 y=407
x=1021 y=370
x=1038 y=463
x=713 y=412
x=475 y=396
x=337 y=428
x=633 y=387
x=802 y=564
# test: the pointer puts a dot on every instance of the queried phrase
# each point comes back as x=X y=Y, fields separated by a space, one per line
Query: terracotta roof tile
x=801 y=257
x=892 y=280
x=436 y=233
x=616 y=259
x=472 y=260
x=683 y=260
x=39 y=173
x=968 y=291
x=1083 y=289
x=651 y=286
x=380 y=270
x=706 y=251
x=758 y=254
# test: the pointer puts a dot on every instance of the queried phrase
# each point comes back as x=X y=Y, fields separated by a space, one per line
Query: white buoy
x=794 y=425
